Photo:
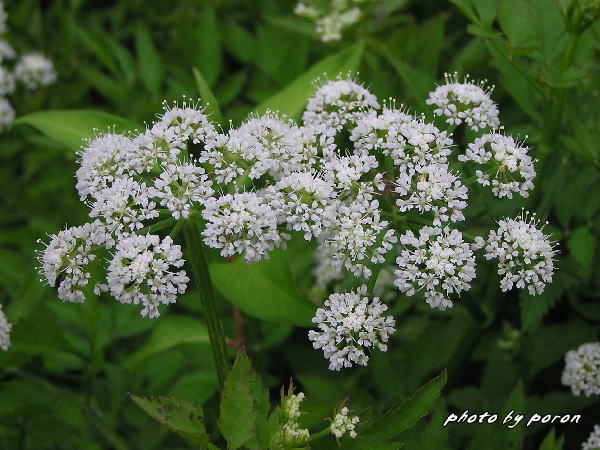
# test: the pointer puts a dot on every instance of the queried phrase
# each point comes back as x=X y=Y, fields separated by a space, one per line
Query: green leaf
x=402 y=418
x=291 y=100
x=172 y=331
x=551 y=443
x=535 y=307
x=264 y=289
x=517 y=27
x=71 y=127
x=244 y=407
x=581 y=244
x=180 y=415
x=208 y=98
x=149 y=62
x=209 y=44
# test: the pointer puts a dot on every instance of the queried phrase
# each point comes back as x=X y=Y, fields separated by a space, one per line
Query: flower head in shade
x=290 y=435
x=466 y=102
x=35 y=70
x=338 y=103
x=582 y=370
x=525 y=254
x=506 y=165
x=437 y=262
x=181 y=187
x=357 y=237
x=593 y=440
x=432 y=189
x=305 y=202
x=7 y=82
x=7 y=114
x=343 y=424
x=6 y=51
x=242 y=223
x=146 y=270
x=349 y=326
x=65 y=260
x=5 y=328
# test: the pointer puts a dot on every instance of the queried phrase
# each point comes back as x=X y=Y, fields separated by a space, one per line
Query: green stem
x=373 y=280
x=197 y=259
x=320 y=434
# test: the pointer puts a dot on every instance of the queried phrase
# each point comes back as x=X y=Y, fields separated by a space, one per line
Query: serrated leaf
x=535 y=307
x=394 y=422
x=172 y=331
x=180 y=415
x=208 y=98
x=292 y=99
x=244 y=407
x=581 y=244
x=263 y=289
x=71 y=127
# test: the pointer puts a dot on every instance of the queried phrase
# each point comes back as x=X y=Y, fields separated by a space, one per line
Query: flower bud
x=579 y=14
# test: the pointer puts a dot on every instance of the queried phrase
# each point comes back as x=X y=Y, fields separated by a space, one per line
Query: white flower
x=6 y=51
x=290 y=435
x=593 y=441
x=7 y=82
x=243 y=223
x=124 y=206
x=437 y=261
x=102 y=161
x=416 y=143
x=348 y=325
x=379 y=133
x=349 y=174
x=508 y=163
x=525 y=254
x=269 y=143
x=338 y=103
x=582 y=369
x=432 y=189
x=342 y=424
x=324 y=272
x=357 y=237
x=330 y=27
x=146 y=271
x=180 y=186
x=66 y=258
x=7 y=114
x=305 y=202
x=35 y=70
x=5 y=328
x=465 y=102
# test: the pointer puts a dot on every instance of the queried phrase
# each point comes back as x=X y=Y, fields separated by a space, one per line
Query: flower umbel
x=582 y=370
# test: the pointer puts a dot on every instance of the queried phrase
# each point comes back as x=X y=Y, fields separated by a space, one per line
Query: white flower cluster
x=593 y=440
x=290 y=435
x=32 y=70
x=343 y=424
x=349 y=324
x=525 y=254
x=145 y=270
x=465 y=102
x=331 y=21
x=505 y=161
x=5 y=328
x=582 y=369
x=437 y=261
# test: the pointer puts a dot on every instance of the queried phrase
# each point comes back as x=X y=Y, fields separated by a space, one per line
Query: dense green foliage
x=64 y=383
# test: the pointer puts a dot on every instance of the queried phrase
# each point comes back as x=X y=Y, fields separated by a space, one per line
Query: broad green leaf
x=149 y=61
x=291 y=100
x=581 y=244
x=551 y=443
x=180 y=415
x=394 y=422
x=172 y=331
x=263 y=289
x=244 y=406
x=71 y=127
x=208 y=98
x=209 y=44
x=517 y=27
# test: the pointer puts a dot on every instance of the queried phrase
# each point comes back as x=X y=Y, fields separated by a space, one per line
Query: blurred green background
x=64 y=382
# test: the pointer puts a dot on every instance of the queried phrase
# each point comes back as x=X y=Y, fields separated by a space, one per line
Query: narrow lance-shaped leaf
x=208 y=98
